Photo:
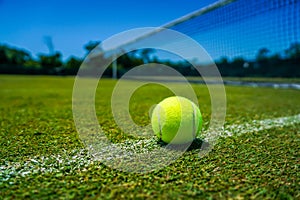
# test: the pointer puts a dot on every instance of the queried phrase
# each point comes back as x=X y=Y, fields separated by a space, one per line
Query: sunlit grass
x=36 y=121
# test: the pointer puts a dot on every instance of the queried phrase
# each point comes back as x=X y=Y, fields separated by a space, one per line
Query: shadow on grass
x=196 y=144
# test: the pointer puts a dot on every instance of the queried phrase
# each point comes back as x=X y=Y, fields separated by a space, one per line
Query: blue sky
x=71 y=24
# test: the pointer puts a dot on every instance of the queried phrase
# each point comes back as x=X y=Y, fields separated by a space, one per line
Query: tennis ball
x=176 y=120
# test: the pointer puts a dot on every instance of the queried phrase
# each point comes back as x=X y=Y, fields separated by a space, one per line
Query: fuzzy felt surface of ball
x=176 y=120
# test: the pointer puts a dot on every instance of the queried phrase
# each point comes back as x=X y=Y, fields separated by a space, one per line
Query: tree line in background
x=19 y=61
x=286 y=64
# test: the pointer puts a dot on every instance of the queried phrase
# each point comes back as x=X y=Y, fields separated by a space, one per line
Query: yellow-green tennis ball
x=176 y=120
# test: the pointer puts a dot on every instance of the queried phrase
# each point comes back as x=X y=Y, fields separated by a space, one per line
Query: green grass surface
x=36 y=123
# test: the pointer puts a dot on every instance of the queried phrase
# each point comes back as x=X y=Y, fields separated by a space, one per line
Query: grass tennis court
x=41 y=155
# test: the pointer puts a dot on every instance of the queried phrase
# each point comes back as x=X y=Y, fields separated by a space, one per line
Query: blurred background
x=245 y=38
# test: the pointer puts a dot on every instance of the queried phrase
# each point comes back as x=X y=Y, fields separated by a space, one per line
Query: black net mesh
x=234 y=29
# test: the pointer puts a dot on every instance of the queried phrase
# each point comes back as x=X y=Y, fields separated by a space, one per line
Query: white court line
x=259 y=125
x=80 y=160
